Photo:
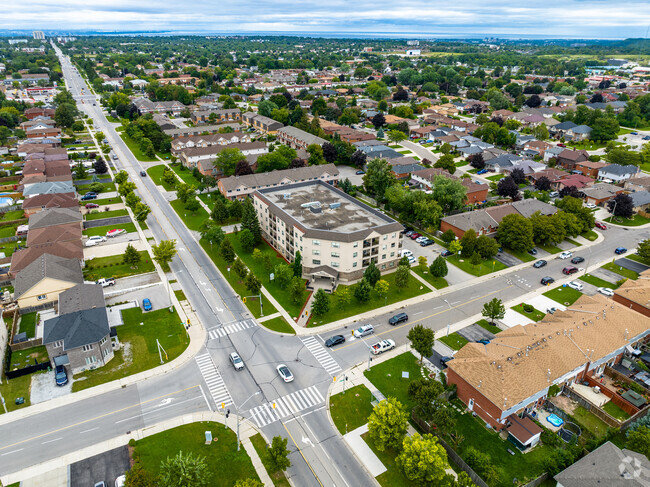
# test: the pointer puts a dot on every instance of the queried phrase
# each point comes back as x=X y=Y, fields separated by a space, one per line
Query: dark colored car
x=444 y=360
x=483 y=341
x=61 y=375
x=547 y=280
x=539 y=263
x=446 y=253
x=334 y=340
x=359 y=172
x=89 y=196
x=143 y=174
x=482 y=171
x=398 y=318
x=532 y=251
x=426 y=243
x=620 y=250
x=577 y=260
x=91 y=205
x=568 y=270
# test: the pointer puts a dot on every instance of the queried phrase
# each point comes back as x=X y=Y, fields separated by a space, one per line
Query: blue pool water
x=555 y=420
x=5 y=201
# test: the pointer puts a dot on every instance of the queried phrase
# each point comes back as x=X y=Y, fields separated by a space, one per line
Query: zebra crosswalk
x=321 y=354
x=213 y=379
x=286 y=406
x=230 y=328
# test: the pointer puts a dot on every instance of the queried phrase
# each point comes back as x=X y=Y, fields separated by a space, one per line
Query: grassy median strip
x=278 y=324
x=135 y=148
x=192 y=219
x=156 y=173
x=485 y=267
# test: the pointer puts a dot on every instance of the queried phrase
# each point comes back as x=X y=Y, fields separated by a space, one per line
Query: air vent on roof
x=315 y=209
x=287 y=196
x=311 y=204
x=334 y=205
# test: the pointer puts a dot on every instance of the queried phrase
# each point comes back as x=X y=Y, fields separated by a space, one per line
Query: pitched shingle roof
x=72 y=249
x=80 y=297
x=54 y=216
x=47 y=266
x=77 y=329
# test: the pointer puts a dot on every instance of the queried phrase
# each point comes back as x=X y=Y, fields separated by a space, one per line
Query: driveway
x=113 y=247
x=105 y=467
x=115 y=221
x=158 y=294
x=44 y=387
x=512 y=318
x=455 y=275
x=474 y=333
x=349 y=172
x=542 y=303
x=631 y=265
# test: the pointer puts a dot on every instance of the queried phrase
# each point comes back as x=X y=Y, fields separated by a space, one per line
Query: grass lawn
x=113 y=266
x=226 y=465
x=597 y=281
x=496 y=177
x=12 y=215
x=11 y=389
x=437 y=282
x=339 y=310
x=99 y=215
x=622 y=271
x=587 y=145
x=8 y=231
x=638 y=258
x=193 y=220
x=185 y=174
x=454 y=341
x=489 y=327
x=278 y=324
x=135 y=149
x=351 y=409
x=139 y=350
x=112 y=119
x=590 y=235
x=180 y=295
x=573 y=242
x=551 y=249
x=563 y=295
x=613 y=410
x=252 y=304
x=635 y=221
x=522 y=256
x=91 y=232
x=103 y=202
x=393 y=476
x=485 y=267
x=23 y=358
x=155 y=173
x=387 y=377
x=28 y=324
x=106 y=188
x=278 y=478
x=207 y=199
x=535 y=315
x=597 y=426
x=624 y=131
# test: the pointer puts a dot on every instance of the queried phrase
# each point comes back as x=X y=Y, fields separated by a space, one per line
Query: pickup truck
x=106 y=282
x=382 y=346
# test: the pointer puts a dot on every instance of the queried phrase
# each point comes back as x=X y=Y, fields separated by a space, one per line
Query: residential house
x=513 y=373
x=562 y=130
x=635 y=294
x=616 y=173
x=49 y=187
x=476 y=192
x=589 y=168
x=207 y=140
x=57 y=233
x=579 y=133
x=552 y=153
x=600 y=193
x=641 y=202
x=35 y=204
x=220 y=116
x=239 y=187
x=641 y=183
x=55 y=216
x=144 y=105
x=176 y=133
x=539 y=146
x=39 y=133
x=32 y=113
x=298 y=139
x=403 y=171
x=41 y=282
x=70 y=249
x=81 y=297
x=568 y=180
x=79 y=340
x=569 y=158
x=261 y=123
x=191 y=157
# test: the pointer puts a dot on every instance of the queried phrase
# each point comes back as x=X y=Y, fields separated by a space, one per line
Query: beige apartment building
x=336 y=235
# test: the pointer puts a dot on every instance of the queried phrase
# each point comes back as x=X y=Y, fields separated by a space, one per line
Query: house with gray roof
x=581 y=132
x=80 y=297
x=42 y=280
x=380 y=152
x=79 y=340
x=54 y=216
x=617 y=173
x=297 y=138
x=49 y=187
x=641 y=200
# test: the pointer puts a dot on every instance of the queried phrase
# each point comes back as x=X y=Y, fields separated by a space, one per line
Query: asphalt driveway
x=631 y=265
x=106 y=466
x=473 y=333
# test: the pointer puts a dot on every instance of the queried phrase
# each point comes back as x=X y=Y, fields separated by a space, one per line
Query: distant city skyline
x=598 y=19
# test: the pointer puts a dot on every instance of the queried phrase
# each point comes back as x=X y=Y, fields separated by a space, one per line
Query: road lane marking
x=324 y=358
x=10 y=452
x=101 y=416
x=158 y=409
x=302 y=455
x=88 y=431
x=214 y=381
x=51 y=441
x=286 y=406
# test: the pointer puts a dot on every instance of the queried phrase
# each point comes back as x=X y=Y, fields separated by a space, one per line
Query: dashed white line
x=13 y=451
x=88 y=431
x=51 y=441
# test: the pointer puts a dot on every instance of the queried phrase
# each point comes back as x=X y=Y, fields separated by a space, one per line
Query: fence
x=30 y=369
x=39 y=307
x=616 y=399
x=596 y=411
x=538 y=481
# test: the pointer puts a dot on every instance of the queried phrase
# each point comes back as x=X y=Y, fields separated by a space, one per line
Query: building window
x=105 y=352
x=91 y=360
x=87 y=348
x=42 y=297
x=383 y=266
x=102 y=341
x=354 y=254
x=336 y=245
x=356 y=244
x=391 y=263
x=316 y=262
x=336 y=255
x=385 y=237
x=383 y=247
x=315 y=252
x=354 y=264
x=335 y=264
x=383 y=256
x=58 y=344
x=315 y=242
x=392 y=254
x=392 y=246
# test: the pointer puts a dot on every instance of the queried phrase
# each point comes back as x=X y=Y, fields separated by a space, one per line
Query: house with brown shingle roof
x=72 y=249
x=513 y=373
x=58 y=233
x=476 y=192
x=635 y=294
x=568 y=158
x=44 y=201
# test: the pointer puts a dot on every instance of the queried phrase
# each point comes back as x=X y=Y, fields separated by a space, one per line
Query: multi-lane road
x=295 y=410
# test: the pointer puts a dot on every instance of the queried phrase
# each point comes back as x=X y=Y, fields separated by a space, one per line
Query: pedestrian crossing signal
x=244 y=299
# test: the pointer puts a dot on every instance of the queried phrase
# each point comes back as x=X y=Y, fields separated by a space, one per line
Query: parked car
x=406 y=252
x=647 y=137
x=561 y=145
x=606 y=291
x=115 y=232
x=334 y=340
x=120 y=481
x=382 y=346
x=591 y=206
x=533 y=251
x=411 y=259
x=409 y=233
x=566 y=254
x=551 y=310
x=575 y=285
x=446 y=253
x=444 y=360
x=364 y=330
x=92 y=241
x=106 y=282
x=88 y=206
x=284 y=373
x=547 y=280
x=426 y=242
x=415 y=235
x=89 y=196
x=539 y=264
x=483 y=341
x=634 y=133
x=601 y=225
x=577 y=260
x=398 y=318
x=568 y=270
x=236 y=361
x=620 y=250
x=146 y=304
x=360 y=172
x=102 y=483
x=554 y=194
x=60 y=375
x=420 y=239
x=482 y=171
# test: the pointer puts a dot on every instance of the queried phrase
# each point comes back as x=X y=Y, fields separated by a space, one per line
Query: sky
x=530 y=18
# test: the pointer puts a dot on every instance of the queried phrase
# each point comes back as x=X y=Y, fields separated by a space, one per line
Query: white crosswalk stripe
x=286 y=406
x=230 y=328
x=213 y=379
x=321 y=354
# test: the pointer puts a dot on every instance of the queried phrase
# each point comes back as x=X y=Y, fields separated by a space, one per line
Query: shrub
x=528 y=308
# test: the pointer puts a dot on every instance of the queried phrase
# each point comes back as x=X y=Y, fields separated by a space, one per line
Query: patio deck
x=596 y=398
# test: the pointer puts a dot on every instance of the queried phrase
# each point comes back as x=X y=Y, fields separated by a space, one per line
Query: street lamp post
x=238 y=416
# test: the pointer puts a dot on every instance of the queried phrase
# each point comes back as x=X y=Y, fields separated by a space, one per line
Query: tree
x=381 y=288
x=296 y=288
x=468 y=242
x=422 y=340
x=387 y=424
x=184 y=470
x=475 y=260
x=146 y=147
x=379 y=120
x=185 y=192
x=141 y=211
x=449 y=193
x=639 y=440
x=64 y=115
x=212 y=233
x=508 y=188
x=80 y=171
x=481 y=463
x=247 y=240
x=227 y=251
x=169 y=177
x=518 y=175
x=516 y=232
x=131 y=200
x=422 y=263
x=455 y=246
x=243 y=168
x=164 y=252
x=423 y=460
x=644 y=250
x=358 y=158
x=446 y=162
x=486 y=247
x=251 y=483
x=283 y=274
x=321 y=304
x=533 y=101
x=543 y=184
x=100 y=166
x=477 y=161
x=126 y=188
x=378 y=178
x=448 y=237
x=278 y=454
x=396 y=136
x=250 y=221
x=139 y=477
x=329 y=152
x=438 y=267
x=252 y=283
x=547 y=230
x=604 y=128
x=621 y=206
x=297 y=265
x=362 y=291
x=494 y=310
x=227 y=160
x=219 y=212
x=315 y=155
x=372 y=274
x=131 y=256
x=239 y=268
x=402 y=276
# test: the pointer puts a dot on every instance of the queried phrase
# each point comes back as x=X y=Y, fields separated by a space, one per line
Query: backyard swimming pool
x=555 y=420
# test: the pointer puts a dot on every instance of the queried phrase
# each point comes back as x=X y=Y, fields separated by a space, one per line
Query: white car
x=92 y=241
x=364 y=330
x=285 y=373
x=420 y=239
x=606 y=291
x=575 y=285
x=236 y=361
x=120 y=481
x=411 y=259
x=566 y=255
x=591 y=206
x=406 y=252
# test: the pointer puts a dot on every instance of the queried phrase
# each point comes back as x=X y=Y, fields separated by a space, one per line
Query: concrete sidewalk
x=53 y=468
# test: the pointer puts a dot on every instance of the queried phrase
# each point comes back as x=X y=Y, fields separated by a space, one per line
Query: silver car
x=236 y=361
x=364 y=330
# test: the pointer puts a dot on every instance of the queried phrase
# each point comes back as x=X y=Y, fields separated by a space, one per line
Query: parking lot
x=103 y=467
x=349 y=172
x=431 y=252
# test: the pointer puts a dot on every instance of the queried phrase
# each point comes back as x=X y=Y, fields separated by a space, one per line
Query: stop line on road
x=286 y=406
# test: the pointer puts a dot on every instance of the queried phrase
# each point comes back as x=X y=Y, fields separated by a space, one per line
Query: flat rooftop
x=319 y=206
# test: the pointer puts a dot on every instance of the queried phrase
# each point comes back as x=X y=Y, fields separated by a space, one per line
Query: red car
x=601 y=225
x=91 y=205
x=561 y=145
x=415 y=235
